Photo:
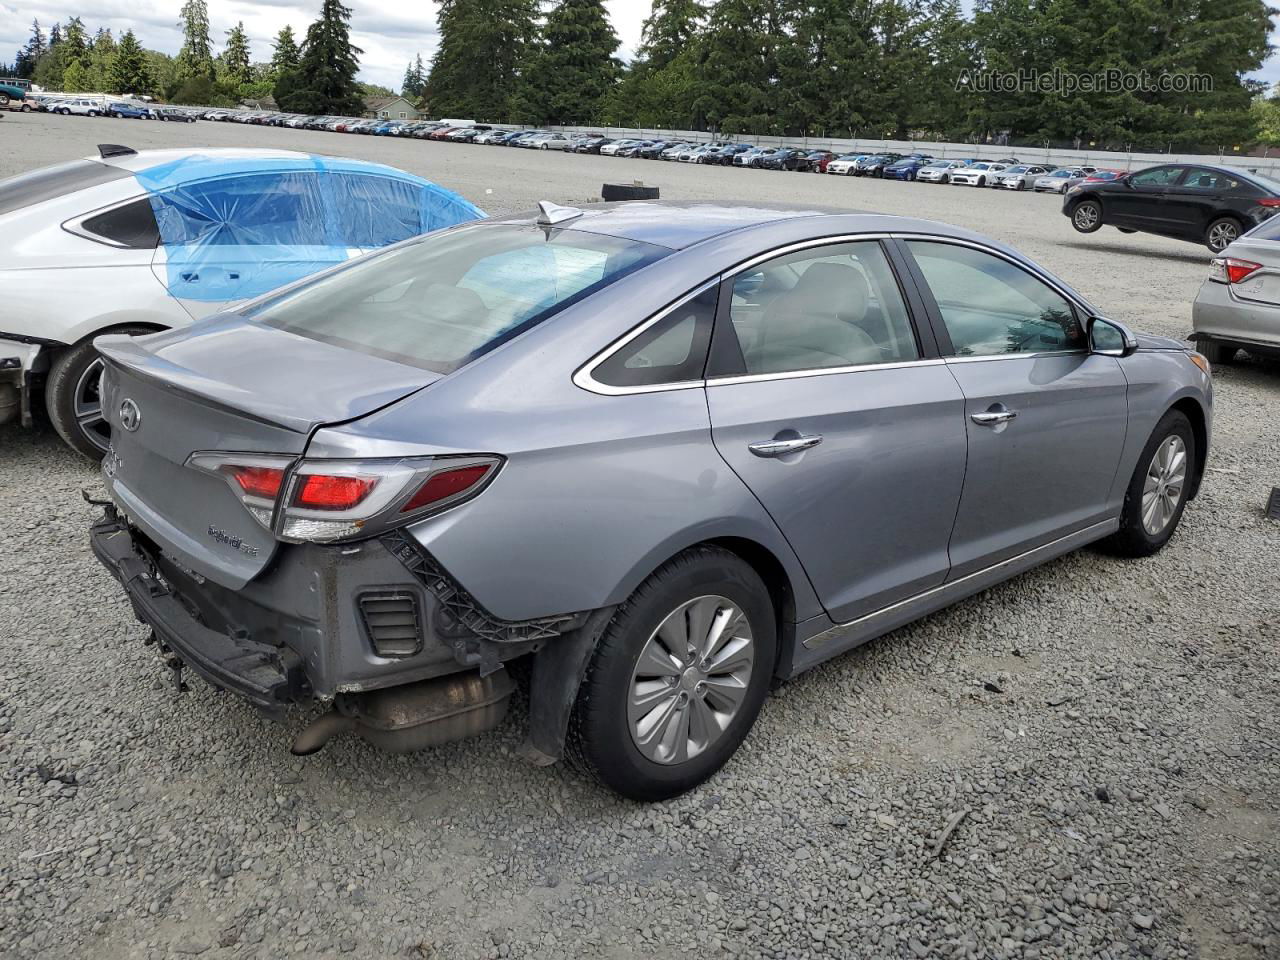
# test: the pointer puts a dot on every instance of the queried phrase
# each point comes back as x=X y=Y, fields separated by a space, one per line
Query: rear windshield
x=444 y=300
x=28 y=189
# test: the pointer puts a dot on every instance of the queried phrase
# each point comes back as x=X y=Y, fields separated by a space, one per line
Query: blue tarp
x=237 y=227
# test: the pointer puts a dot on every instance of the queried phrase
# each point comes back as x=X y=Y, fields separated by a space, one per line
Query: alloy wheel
x=1222 y=235
x=1162 y=491
x=1085 y=216
x=690 y=679
x=87 y=406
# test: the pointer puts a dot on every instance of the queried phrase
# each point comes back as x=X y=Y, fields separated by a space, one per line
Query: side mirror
x=1109 y=338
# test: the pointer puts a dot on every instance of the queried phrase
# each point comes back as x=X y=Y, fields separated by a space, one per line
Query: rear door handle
x=780 y=448
x=993 y=417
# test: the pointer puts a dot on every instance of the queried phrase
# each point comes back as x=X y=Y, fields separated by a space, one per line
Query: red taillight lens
x=446 y=483
x=1269 y=202
x=322 y=492
x=258 y=481
x=1231 y=269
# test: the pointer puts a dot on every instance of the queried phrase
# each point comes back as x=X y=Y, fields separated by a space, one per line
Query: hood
x=1149 y=341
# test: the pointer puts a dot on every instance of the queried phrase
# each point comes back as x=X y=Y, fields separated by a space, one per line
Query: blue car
x=130 y=110
x=906 y=168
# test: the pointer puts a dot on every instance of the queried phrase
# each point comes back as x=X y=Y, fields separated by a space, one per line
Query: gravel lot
x=1110 y=729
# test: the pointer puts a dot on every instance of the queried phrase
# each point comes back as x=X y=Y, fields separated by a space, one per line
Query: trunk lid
x=228 y=386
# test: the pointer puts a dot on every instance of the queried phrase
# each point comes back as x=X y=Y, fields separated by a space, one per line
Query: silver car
x=1238 y=306
x=1062 y=179
x=532 y=446
x=1022 y=175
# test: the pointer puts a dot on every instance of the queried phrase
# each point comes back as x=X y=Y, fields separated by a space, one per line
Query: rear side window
x=37 y=186
x=276 y=209
x=454 y=295
x=673 y=350
x=130 y=225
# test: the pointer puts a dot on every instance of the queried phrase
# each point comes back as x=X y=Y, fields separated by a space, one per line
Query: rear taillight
x=1269 y=202
x=326 y=500
x=1231 y=269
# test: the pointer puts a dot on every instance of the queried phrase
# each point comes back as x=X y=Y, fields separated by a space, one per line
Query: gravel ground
x=1107 y=729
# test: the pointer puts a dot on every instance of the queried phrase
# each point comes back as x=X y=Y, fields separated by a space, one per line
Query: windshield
x=441 y=301
x=1016 y=170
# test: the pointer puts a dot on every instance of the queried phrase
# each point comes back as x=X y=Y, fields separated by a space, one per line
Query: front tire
x=678 y=677
x=1086 y=217
x=72 y=396
x=1157 y=492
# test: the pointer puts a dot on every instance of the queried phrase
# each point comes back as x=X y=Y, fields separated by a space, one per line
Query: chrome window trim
x=75 y=225
x=1079 y=307
x=583 y=378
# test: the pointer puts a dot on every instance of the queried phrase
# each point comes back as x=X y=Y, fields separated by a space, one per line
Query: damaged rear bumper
x=269 y=677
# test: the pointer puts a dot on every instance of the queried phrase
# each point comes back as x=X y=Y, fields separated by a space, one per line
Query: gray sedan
x=665 y=455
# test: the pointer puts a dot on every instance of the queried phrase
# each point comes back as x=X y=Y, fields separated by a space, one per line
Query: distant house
x=390 y=108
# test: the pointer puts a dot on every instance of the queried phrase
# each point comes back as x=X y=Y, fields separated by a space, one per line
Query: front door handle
x=993 y=418
x=780 y=448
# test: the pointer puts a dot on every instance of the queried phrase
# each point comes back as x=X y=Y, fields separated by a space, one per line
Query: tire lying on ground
x=627 y=191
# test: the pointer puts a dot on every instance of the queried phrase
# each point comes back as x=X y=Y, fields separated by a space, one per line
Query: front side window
x=452 y=296
x=991 y=307
x=832 y=306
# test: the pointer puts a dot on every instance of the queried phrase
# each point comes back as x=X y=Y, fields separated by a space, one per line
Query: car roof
x=157 y=169
x=677 y=225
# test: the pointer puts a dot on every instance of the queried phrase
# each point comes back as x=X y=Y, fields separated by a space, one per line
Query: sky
x=390 y=32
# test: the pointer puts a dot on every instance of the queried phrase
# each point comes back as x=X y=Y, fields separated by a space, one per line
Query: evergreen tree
x=670 y=27
x=130 y=72
x=415 y=80
x=661 y=85
x=29 y=55
x=102 y=51
x=75 y=43
x=483 y=46
x=195 y=59
x=325 y=79
x=573 y=70
x=75 y=78
x=739 y=92
x=286 y=55
x=235 y=57
x=55 y=36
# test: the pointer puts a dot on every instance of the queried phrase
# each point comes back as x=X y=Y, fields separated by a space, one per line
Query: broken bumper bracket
x=269 y=677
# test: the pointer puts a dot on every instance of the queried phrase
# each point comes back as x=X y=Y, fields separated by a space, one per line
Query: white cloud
x=390 y=32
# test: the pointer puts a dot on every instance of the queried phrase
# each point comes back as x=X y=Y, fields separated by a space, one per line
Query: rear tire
x=1157 y=492
x=1217 y=352
x=73 y=400
x=1221 y=234
x=651 y=721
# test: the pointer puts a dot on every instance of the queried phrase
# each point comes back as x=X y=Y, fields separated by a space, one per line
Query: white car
x=81 y=106
x=1022 y=175
x=937 y=172
x=137 y=242
x=611 y=149
x=981 y=174
x=843 y=166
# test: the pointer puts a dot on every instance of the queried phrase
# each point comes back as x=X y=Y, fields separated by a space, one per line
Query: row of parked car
x=92 y=105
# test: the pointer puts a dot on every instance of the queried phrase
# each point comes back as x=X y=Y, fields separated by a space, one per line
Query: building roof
x=380 y=103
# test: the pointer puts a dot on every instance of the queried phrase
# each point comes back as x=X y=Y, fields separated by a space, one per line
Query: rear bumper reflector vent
x=392 y=621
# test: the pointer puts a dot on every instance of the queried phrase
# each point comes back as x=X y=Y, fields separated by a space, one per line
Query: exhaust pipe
x=416 y=716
